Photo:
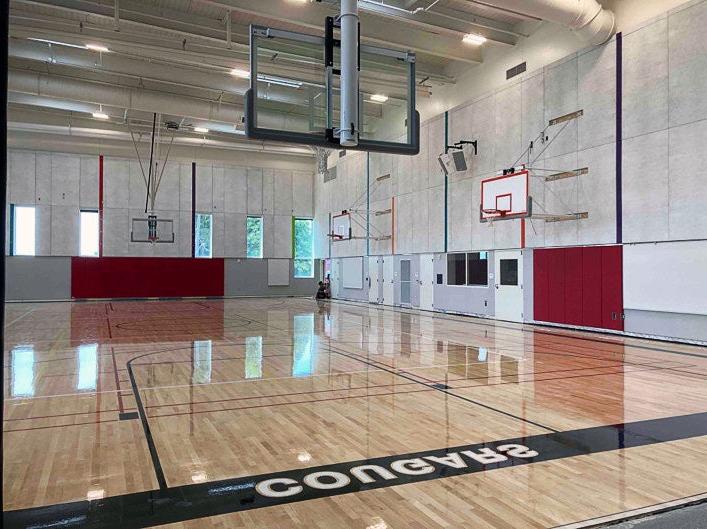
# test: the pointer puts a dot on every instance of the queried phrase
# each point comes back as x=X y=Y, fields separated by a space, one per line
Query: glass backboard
x=294 y=93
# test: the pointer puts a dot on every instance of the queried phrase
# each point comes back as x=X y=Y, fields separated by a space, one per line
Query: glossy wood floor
x=235 y=388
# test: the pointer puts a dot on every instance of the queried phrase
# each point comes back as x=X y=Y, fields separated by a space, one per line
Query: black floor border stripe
x=188 y=502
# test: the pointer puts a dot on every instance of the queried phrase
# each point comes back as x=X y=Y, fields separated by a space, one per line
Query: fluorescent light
x=379 y=98
x=57 y=43
x=280 y=81
x=240 y=72
x=95 y=494
x=202 y=130
x=476 y=40
x=100 y=115
x=97 y=47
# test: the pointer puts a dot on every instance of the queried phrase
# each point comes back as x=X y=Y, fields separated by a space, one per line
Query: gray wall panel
x=667 y=324
x=37 y=278
x=249 y=277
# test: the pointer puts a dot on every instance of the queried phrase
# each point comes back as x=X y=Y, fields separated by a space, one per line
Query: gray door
x=405 y=282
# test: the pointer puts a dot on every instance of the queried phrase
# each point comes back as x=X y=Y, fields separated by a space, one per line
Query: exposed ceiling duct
x=587 y=18
x=49 y=87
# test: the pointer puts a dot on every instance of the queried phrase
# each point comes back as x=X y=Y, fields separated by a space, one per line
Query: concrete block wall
x=60 y=185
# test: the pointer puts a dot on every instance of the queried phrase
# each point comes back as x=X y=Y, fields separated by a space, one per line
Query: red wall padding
x=139 y=277
x=579 y=286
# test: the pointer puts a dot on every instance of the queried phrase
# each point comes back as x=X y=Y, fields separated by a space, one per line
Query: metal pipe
x=348 y=135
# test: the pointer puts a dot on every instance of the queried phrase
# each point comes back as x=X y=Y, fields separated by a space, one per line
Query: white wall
x=60 y=184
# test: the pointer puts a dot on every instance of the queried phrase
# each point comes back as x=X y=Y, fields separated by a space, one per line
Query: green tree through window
x=254 y=237
x=202 y=240
x=303 y=252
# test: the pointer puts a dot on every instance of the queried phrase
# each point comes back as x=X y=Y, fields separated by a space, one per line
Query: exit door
x=373 y=280
x=508 y=283
x=388 y=284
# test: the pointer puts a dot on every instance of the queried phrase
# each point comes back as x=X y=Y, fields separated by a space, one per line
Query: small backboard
x=152 y=229
x=341 y=227
x=505 y=197
x=295 y=92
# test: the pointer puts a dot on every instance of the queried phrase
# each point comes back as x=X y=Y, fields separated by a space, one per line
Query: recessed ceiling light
x=202 y=130
x=476 y=40
x=99 y=114
x=95 y=494
x=97 y=47
x=240 y=72
x=379 y=98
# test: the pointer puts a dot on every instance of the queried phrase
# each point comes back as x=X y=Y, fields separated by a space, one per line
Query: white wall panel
x=352 y=272
x=687 y=59
x=235 y=190
x=204 y=188
x=255 y=191
x=302 y=193
x=234 y=235
x=168 y=194
x=268 y=192
x=282 y=192
x=88 y=193
x=116 y=231
x=597 y=96
x=21 y=177
x=561 y=98
x=66 y=176
x=282 y=236
x=645 y=187
x=596 y=194
x=645 y=78
x=278 y=272
x=668 y=277
x=43 y=178
x=42 y=230
x=688 y=181
x=218 y=190
x=116 y=181
x=64 y=230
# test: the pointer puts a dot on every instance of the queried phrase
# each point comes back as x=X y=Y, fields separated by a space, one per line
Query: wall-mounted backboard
x=341 y=227
x=505 y=197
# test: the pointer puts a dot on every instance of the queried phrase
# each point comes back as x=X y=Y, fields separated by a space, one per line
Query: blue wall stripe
x=619 y=138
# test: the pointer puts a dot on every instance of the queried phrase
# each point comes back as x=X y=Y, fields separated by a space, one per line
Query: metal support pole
x=228 y=30
x=116 y=15
x=348 y=135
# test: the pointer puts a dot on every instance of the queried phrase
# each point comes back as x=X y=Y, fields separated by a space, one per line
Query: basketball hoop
x=335 y=237
x=496 y=212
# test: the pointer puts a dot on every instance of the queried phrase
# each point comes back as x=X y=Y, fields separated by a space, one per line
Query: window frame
x=262 y=236
x=98 y=232
x=478 y=285
x=196 y=235
x=294 y=248
x=13 y=230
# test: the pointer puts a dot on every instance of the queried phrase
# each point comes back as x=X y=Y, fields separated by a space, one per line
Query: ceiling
x=174 y=57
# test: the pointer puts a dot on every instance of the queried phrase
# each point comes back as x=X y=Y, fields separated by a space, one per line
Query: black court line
x=156 y=464
x=437 y=387
x=189 y=502
x=464 y=318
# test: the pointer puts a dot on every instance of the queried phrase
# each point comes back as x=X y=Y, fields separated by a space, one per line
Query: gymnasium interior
x=340 y=264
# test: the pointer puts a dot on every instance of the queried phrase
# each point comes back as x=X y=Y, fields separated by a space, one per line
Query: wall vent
x=516 y=70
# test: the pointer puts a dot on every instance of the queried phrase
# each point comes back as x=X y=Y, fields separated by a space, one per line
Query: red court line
x=60 y=426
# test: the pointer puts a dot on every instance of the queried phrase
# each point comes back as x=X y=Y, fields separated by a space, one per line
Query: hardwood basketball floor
x=279 y=413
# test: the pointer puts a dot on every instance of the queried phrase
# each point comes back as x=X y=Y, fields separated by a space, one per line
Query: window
x=509 y=272
x=254 y=237
x=89 y=233
x=456 y=269
x=22 y=230
x=302 y=251
x=202 y=241
x=477 y=269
